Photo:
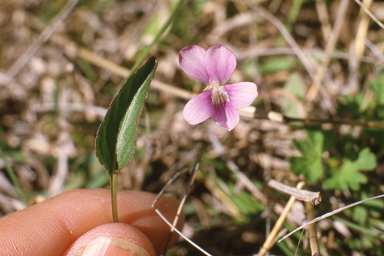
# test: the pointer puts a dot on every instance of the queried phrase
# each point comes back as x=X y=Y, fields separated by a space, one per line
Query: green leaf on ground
x=295 y=86
x=377 y=86
x=369 y=210
x=116 y=138
x=310 y=164
x=354 y=107
x=348 y=176
x=276 y=64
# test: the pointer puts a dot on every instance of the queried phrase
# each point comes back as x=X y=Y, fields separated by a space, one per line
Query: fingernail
x=105 y=246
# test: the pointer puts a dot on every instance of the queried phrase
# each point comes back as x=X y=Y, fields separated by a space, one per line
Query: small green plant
x=348 y=175
x=348 y=155
x=310 y=163
x=116 y=138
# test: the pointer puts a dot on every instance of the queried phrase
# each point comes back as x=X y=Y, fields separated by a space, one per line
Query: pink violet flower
x=220 y=101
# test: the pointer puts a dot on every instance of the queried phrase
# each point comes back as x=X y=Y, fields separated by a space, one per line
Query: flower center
x=219 y=95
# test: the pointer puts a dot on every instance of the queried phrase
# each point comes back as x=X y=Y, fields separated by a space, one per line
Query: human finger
x=50 y=227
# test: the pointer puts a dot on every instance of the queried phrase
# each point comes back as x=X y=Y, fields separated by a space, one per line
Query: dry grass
x=53 y=100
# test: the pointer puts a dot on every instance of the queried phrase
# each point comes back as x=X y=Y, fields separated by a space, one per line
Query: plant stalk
x=175 y=11
x=114 y=196
x=270 y=239
x=13 y=178
x=312 y=230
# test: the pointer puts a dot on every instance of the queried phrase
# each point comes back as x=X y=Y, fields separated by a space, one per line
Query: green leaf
x=369 y=210
x=295 y=86
x=377 y=87
x=349 y=175
x=245 y=202
x=310 y=164
x=116 y=138
x=276 y=64
x=354 y=107
x=376 y=135
x=366 y=160
x=311 y=168
x=360 y=214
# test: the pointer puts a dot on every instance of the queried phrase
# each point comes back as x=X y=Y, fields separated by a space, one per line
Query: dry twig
x=373 y=17
x=322 y=12
x=300 y=194
x=312 y=230
x=296 y=48
x=268 y=242
x=362 y=29
x=331 y=43
x=35 y=46
x=330 y=214
x=243 y=179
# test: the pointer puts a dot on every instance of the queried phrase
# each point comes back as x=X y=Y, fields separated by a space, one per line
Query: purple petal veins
x=220 y=63
x=226 y=116
x=241 y=94
x=199 y=108
x=192 y=62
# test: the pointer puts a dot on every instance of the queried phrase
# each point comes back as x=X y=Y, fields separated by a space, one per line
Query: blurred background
x=62 y=61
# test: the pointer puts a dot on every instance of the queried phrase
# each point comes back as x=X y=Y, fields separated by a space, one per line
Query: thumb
x=53 y=226
x=113 y=239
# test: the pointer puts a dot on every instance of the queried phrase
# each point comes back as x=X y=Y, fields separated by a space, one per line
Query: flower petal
x=199 y=108
x=192 y=62
x=225 y=115
x=220 y=63
x=242 y=94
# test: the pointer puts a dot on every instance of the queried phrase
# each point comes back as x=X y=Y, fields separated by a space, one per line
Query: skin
x=72 y=219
